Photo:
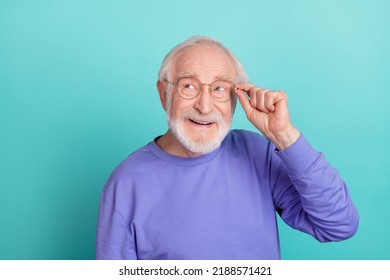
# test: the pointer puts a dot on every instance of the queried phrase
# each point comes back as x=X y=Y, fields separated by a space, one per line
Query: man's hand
x=267 y=110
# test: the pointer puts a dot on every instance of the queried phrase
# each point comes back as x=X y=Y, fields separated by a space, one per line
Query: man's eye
x=189 y=86
x=219 y=88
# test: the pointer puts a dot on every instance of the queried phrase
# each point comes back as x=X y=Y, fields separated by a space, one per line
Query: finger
x=261 y=97
x=274 y=98
x=270 y=100
x=245 y=87
x=253 y=97
x=258 y=99
x=250 y=90
x=244 y=100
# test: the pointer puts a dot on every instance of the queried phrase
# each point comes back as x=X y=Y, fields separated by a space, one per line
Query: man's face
x=200 y=124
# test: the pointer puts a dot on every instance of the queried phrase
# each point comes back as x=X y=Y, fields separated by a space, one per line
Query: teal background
x=77 y=95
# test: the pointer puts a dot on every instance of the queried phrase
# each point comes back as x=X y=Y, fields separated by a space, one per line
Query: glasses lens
x=222 y=90
x=188 y=87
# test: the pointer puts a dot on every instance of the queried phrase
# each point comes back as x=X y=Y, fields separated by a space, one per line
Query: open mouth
x=203 y=123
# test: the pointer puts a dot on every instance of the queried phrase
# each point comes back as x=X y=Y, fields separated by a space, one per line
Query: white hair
x=166 y=65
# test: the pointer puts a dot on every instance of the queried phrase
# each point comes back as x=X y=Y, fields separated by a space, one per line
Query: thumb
x=244 y=101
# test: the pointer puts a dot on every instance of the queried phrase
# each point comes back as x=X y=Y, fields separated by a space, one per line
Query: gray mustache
x=214 y=117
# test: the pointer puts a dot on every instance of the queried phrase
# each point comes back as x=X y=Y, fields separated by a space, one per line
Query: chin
x=199 y=142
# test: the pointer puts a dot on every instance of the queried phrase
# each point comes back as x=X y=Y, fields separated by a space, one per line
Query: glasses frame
x=201 y=88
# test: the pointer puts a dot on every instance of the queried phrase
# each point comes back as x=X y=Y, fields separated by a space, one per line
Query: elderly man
x=203 y=191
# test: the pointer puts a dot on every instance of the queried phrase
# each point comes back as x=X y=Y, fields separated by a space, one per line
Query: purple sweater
x=221 y=205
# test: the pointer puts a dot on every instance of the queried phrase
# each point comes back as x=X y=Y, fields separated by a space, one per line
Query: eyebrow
x=216 y=78
x=186 y=74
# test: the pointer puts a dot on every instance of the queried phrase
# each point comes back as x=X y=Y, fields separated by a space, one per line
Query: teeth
x=200 y=122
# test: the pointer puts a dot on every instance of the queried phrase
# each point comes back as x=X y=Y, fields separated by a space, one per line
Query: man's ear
x=163 y=93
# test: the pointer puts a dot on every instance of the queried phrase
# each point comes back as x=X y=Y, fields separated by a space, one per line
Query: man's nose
x=204 y=102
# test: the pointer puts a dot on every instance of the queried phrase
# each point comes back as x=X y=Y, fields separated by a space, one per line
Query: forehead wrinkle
x=189 y=63
x=216 y=77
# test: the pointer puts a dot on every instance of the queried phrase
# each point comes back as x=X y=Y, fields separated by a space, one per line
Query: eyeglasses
x=190 y=87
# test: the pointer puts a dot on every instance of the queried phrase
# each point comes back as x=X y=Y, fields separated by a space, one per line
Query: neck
x=172 y=146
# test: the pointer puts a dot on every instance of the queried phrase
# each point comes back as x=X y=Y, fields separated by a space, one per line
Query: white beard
x=199 y=143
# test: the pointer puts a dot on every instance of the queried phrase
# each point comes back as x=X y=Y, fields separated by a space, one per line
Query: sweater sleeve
x=310 y=195
x=114 y=239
